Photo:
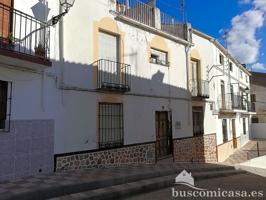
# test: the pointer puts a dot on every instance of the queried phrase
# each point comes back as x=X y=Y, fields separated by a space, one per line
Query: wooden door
x=234 y=133
x=163 y=135
x=5 y=18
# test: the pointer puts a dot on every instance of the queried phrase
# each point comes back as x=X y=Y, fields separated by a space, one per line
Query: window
x=194 y=70
x=246 y=78
x=241 y=74
x=225 y=136
x=254 y=120
x=111 y=125
x=231 y=66
x=198 y=121
x=108 y=46
x=221 y=59
x=211 y=106
x=3 y=103
x=253 y=97
x=159 y=57
x=244 y=126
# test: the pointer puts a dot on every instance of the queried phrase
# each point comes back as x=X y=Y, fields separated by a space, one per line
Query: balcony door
x=194 y=71
x=223 y=94
x=109 y=52
x=5 y=18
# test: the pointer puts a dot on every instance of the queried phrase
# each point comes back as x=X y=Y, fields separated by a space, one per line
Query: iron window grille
x=5 y=105
x=111 y=125
x=198 y=121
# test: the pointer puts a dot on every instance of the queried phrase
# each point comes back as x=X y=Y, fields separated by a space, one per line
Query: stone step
x=64 y=188
x=139 y=187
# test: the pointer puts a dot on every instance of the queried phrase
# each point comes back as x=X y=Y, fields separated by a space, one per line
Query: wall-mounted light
x=66 y=4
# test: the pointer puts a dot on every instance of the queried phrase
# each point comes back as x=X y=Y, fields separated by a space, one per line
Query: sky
x=242 y=21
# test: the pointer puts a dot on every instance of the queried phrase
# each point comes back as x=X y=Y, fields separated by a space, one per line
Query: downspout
x=61 y=55
x=45 y=14
x=189 y=108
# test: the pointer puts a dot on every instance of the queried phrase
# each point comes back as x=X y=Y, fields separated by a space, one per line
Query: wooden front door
x=5 y=18
x=163 y=135
x=234 y=133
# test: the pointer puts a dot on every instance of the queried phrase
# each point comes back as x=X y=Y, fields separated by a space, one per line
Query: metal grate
x=111 y=125
x=199 y=88
x=148 y=14
x=24 y=34
x=198 y=121
x=113 y=76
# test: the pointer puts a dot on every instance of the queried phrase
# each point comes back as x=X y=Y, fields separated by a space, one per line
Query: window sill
x=161 y=64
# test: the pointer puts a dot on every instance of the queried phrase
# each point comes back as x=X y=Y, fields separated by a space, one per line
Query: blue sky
x=211 y=17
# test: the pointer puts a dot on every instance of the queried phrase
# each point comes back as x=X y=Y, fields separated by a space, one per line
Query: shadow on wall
x=41 y=10
x=109 y=77
x=106 y=73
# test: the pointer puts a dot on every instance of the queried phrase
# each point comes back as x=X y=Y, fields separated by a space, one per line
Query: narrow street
x=243 y=182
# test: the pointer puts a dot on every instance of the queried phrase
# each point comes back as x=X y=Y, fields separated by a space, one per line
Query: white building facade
x=105 y=87
x=228 y=108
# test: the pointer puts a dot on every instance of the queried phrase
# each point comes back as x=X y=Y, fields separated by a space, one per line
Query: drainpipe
x=61 y=54
x=189 y=108
x=187 y=51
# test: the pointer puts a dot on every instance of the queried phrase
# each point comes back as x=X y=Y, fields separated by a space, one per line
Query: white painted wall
x=209 y=54
x=258 y=131
x=75 y=113
x=37 y=96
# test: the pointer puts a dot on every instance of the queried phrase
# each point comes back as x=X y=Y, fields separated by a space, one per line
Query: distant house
x=185 y=177
x=258 y=89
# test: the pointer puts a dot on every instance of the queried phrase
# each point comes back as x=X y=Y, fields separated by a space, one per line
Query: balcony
x=251 y=107
x=113 y=76
x=231 y=102
x=199 y=88
x=149 y=15
x=23 y=38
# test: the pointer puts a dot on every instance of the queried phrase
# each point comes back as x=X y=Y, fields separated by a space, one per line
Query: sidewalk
x=247 y=152
x=64 y=183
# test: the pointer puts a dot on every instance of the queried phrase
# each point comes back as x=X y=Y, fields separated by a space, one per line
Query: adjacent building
x=258 y=88
x=221 y=100
x=113 y=83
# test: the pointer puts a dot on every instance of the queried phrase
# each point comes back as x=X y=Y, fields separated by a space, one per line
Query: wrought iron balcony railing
x=251 y=107
x=235 y=102
x=199 y=88
x=23 y=34
x=146 y=13
x=113 y=76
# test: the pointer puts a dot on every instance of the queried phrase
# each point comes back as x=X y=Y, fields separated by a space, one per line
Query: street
x=243 y=182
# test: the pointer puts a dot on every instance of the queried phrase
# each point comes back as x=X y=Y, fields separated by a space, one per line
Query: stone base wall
x=196 y=149
x=28 y=149
x=139 y=154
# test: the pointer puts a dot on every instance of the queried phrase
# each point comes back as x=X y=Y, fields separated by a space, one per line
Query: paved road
x=244 y=182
